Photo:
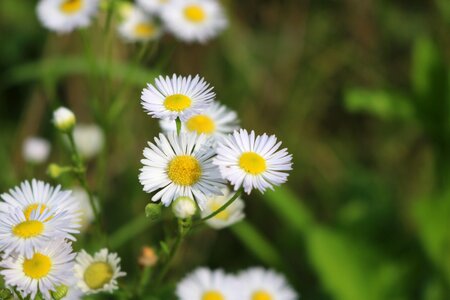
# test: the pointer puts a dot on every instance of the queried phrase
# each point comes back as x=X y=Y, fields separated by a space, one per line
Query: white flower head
x=229 y=216
x=184 y=207
x=89 y=139
x=180 y=165
x=259 y=283
x=35 y=150
x=216 y=121
x=194 y=20
x=152 y=6
x=177 y=97
x=49 y=265
x=206 y=284
x=64 y=16
x=86 y=213
x=64 y=119
x=98 y=273
x=252 y=161
x=138 y=26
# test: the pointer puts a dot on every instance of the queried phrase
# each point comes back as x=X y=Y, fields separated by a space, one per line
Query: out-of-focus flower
x=64 y=119
x=89 y=139
x=35 y=150
x=252 y=162
x=229 y=216
x=152 y=6
x=98 y=273
x=194 y=20
x=148 y=257
x=136 y=26
x=184 y=207
x=64 y=16
x=87 y=214
x=177 y=97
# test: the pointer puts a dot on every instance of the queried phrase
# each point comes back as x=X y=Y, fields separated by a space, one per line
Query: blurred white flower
x=184 y=207
x=64 y=119
x=229 y=216
x=64 y=16
x=194 y=20
x=86 y=213
x=136 y=26
x=152 y=6
x=35 y=150
x=89 y=139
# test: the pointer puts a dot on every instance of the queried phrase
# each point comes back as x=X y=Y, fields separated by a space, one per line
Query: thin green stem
x=145 y=276
x=172 y=253
x=223 y=207
x=178 y=125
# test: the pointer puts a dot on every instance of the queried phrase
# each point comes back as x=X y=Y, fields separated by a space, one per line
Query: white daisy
x=254 y=162
x=194 y=20
x=261 y=284
x=65 y=15
x=22 y=234
x=47 y=267
x=180 y=165
x=40 y=196
x=206 y=284
x=89 y=139
x=35 y=150
x=98 y=273
x=152 y=6
x=138 y=26
x=217 y=121
x=176 y=97
x=229 y=216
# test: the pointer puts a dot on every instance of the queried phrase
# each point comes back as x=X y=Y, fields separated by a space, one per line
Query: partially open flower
x=148 y=257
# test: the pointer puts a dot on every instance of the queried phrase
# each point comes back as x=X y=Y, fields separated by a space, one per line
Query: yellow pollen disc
x=261 y=295
x=28 y=229
x=223 y=215
x=252 y=163
x=38 y=266
x=144 y=30
x=177 y=102
x=194 y=13
x=71 y=6
x=213 y=295
x=32 y=207
x=97 y=275
x=201 y=124
x=184 y=170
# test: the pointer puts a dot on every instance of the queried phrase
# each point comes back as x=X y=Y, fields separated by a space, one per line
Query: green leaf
x=383 y=104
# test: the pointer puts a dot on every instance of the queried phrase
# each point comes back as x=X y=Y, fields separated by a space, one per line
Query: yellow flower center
x=97 y=275
x=177 y=102
x=184 y=170
x=213 y=295
x=32 y=207
x=28 y=229
x=223 y=215
x=201 y=124
x=261 y=295
x=144 y=30
x=38 y=266
x=195 y=13
x=71 y=6
x=252 y=163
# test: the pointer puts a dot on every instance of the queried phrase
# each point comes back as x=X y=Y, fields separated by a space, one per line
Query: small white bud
x=89 y=139
x=64 y=119
x=35 y=150
x=184 y=207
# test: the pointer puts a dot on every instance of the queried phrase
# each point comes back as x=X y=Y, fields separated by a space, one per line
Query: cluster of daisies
x=203 y=151
x=252 y=284
x=37 y=227
x=145 y=20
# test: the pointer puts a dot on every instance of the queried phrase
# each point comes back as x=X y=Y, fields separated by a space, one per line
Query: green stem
x=178 y=125
x=145 y=276
x=223 y=207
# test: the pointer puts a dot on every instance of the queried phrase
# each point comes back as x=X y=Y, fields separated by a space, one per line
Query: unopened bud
x=153 y=211
x=64 y=119
x=148 y=257
x=184 y=207
x=6 y=294
x=60 y=292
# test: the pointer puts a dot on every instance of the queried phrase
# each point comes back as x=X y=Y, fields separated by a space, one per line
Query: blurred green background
x=359 y=92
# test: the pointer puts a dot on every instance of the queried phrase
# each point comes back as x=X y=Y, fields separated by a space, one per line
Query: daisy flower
x=177 y=97
x=35 y=150
x=98 y=273
x=47 y=267
x=216 y=121
x=138 y=27
x=254 y=162
x=205 y=284
x=41 y=197
x=194 y=20
x=65 y=15
x=22 y=234
x=152 y=6
x=180 y=165
x=229 y=216
x=261 y=284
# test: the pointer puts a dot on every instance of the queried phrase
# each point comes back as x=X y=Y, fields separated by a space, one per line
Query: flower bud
x=184 y=207
x=35 y=150
x=54 y=171
x=64 y=119
x=153 y=211
x=148 y=257
x=60 y=292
